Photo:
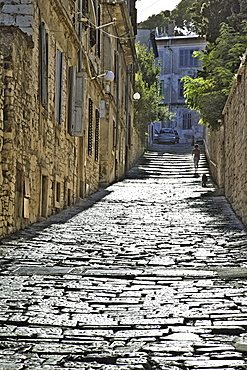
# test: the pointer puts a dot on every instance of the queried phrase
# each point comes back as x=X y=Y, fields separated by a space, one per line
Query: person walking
x=196 y=156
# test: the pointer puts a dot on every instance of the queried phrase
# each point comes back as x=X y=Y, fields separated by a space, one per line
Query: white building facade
x=176 y=61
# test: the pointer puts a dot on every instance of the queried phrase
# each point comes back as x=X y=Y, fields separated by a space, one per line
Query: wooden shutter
x=90 y=127
x=44 y=65
x=59 y=81
x=76 y=102
x=71 y=101
x=97 y=123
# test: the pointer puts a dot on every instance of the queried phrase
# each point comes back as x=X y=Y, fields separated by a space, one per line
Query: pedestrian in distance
x=196 y=156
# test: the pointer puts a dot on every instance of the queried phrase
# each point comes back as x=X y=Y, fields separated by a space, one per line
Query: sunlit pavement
x=149 y=273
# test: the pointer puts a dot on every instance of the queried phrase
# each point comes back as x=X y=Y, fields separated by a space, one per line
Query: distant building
x=146 y=37
x=176 y=61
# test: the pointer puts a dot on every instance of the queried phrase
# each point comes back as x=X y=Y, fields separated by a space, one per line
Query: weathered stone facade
x=63 y=129
x=227 y=147
x=37 y=180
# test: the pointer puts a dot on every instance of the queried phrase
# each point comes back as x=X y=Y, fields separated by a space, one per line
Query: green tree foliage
x=182 y=16
x=208 y=92
x=147 y=108
x=207 y=16
x=159 y=21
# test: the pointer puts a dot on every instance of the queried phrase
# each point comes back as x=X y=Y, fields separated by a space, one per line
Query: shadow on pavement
x=60 y=218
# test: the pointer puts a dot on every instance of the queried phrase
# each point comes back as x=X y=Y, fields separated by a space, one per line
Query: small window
x=186 y=58
x=186 y=121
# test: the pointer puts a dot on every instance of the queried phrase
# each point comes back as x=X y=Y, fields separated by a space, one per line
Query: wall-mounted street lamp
x=136 y=96
x=108 y=76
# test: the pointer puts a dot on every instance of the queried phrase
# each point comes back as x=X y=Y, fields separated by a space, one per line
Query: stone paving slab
x=149 y=273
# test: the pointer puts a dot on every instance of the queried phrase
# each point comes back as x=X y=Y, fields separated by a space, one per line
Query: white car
x=167 y=135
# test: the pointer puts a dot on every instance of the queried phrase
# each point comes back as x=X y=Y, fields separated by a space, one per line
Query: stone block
x=10 y=9
x=8 y=19
x=24 y=21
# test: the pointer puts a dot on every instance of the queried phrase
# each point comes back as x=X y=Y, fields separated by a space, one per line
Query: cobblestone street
x=149 y=273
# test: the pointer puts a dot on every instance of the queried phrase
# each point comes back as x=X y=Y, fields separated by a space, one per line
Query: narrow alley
x=149 y=273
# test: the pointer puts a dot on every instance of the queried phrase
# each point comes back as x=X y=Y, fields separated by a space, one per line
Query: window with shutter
x=186 y=58
x=44 y=65
x=59 y=83
x=76 y=103
x=90 y=127
x=71 y=98
x=97 y=123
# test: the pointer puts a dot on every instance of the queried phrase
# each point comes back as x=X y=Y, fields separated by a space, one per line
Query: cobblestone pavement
x=149 y=273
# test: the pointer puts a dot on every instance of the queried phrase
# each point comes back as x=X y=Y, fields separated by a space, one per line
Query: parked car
x=167 y=135
x=177 y=136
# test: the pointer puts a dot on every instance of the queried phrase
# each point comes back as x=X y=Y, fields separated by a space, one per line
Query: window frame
x=187 y=121
x=43 y=65
x=59 y=86
x=186 y=59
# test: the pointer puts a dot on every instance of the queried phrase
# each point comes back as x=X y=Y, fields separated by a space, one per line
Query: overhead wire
x=100 y=27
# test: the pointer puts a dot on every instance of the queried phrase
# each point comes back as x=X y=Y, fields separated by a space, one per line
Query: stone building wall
x=214 y=148
x=56 y=147
x=2 y=220
x=235 y=121
x=38 y=163
x=227 y=147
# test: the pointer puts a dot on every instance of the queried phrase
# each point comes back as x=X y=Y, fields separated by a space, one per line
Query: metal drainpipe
x=118 y=89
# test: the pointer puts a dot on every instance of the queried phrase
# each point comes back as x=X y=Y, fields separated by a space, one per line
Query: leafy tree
x=220 y=61
x=182 y=16
x=147 y=108
x=207 y=16
x=159 y=21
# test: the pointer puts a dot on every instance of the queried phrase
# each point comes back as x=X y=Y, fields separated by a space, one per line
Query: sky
x=146 y=8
